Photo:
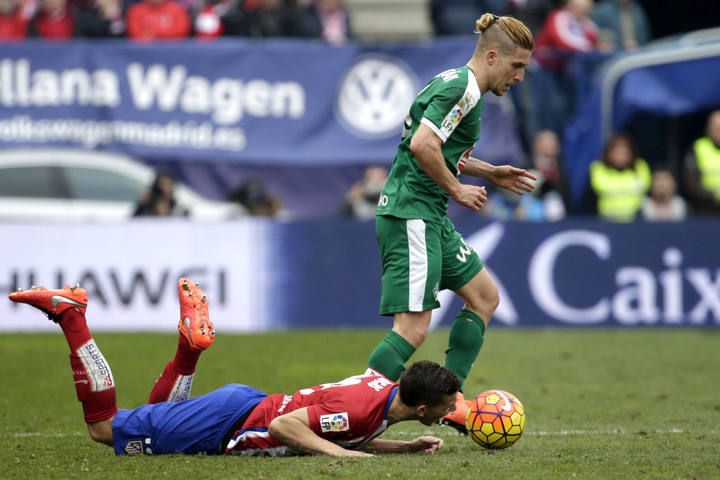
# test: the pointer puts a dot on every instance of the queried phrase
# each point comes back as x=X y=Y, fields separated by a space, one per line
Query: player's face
x=508 y=70
x=433 y=413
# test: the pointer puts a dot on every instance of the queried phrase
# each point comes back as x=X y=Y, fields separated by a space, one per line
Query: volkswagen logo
x=375 y=96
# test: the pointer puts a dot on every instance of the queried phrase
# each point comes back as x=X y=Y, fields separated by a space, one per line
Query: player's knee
x=492 y=298
x=485 y=302
x=413 y=326
x=415 y=336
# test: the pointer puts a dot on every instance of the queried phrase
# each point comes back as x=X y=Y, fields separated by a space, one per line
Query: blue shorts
x=197 y=425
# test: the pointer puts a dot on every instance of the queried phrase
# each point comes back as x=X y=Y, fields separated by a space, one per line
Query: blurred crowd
x=149 y=20
x=622 y=186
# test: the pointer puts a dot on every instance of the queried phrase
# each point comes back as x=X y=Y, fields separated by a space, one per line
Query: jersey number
x=354 y=380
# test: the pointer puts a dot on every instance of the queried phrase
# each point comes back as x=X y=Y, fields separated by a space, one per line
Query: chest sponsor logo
x=334 y=422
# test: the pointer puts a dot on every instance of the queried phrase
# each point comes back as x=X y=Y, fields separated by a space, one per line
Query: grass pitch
x=600 y=404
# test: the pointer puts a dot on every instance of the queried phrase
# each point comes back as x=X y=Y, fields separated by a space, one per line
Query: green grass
x=600 y=404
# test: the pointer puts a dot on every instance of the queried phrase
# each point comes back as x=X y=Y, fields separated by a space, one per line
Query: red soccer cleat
x=456 y=419
x=53 y=303
x=195 y=324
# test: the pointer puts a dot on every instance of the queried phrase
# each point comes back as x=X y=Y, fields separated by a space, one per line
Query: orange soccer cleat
x=53 y=303
x=195 y=324
x=456 y=418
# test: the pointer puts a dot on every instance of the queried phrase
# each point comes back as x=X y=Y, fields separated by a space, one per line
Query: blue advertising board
x=278 y=102
x=262 y=275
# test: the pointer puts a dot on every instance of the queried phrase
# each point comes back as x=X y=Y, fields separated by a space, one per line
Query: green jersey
x=451 y=106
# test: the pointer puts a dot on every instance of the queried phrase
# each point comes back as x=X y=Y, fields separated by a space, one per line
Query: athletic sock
x=92 y=376
x=175 y=382
x=466 y=339
x=390 y=355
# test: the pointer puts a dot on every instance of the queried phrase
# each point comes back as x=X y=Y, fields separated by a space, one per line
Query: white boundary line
x=438 y=432
x=447 y=432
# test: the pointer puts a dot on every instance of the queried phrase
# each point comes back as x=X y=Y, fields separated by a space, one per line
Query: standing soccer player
x=421 y=250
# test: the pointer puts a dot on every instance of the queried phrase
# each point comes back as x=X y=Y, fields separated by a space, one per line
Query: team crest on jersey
x=335 y=422
x=134 y=447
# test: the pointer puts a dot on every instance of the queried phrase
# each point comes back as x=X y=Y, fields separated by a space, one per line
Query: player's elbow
x=422 y=151
x=425 y=146
x=276 y=428
x=101 y=432
x=418 y=147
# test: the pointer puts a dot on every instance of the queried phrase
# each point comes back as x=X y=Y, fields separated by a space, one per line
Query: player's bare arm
x=517 y=180
x=425 y=146
x=293 y=429
x=424 y=444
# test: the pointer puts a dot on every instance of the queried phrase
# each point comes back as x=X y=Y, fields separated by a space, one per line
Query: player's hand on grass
x=470 y=196
x=517 y=180
x=426 y=444
x=356 y=453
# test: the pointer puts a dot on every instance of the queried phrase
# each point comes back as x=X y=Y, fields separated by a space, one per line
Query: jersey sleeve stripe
x=435 y=129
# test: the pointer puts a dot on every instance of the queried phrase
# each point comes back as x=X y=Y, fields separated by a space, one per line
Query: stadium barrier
x=260 y=275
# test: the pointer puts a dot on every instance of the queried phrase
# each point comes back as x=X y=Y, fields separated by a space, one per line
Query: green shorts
x=419 y=259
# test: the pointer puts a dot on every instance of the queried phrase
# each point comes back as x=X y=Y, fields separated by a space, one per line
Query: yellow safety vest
x=708 y=162
x=620 y=192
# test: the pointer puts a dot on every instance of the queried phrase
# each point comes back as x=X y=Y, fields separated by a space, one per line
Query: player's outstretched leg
x=197 y=333
x=93 y=378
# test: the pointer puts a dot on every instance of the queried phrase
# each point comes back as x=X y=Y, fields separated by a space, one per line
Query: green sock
x=466 y=339
x=390 y=355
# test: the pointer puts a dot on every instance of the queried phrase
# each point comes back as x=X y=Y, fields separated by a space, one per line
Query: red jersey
x=348 y=413
x=166 y=20
x=12 y=27
x=562 y=32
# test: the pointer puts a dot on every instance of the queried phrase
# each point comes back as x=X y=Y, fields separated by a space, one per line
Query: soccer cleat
x=53 y=303
x=456 y=418
x=195 y=324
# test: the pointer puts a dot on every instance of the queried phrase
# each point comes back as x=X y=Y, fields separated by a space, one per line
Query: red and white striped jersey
x=348 y=413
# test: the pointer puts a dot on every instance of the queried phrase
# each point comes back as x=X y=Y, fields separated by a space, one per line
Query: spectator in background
x=99 y=18
x=257 y=200
x=532 y=13
x=549 y=199
x=272 y=18
x=221 y=18
x=504 y=205
x=551 y=187
x=208 y=22
x=13 y=25
x=567 y=31
x=334 y=20
x=663 y=205
x=159 y=200
x=622 y=24
x=157 y=20
x=53 y=20
x=455 y=17
x=362 y=198
x=702 y=169
x=619 y=181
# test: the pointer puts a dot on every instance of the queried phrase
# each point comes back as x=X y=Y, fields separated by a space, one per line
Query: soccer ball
x=495 y=419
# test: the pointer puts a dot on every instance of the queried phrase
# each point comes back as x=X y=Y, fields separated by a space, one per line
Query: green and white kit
x=421 y=250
